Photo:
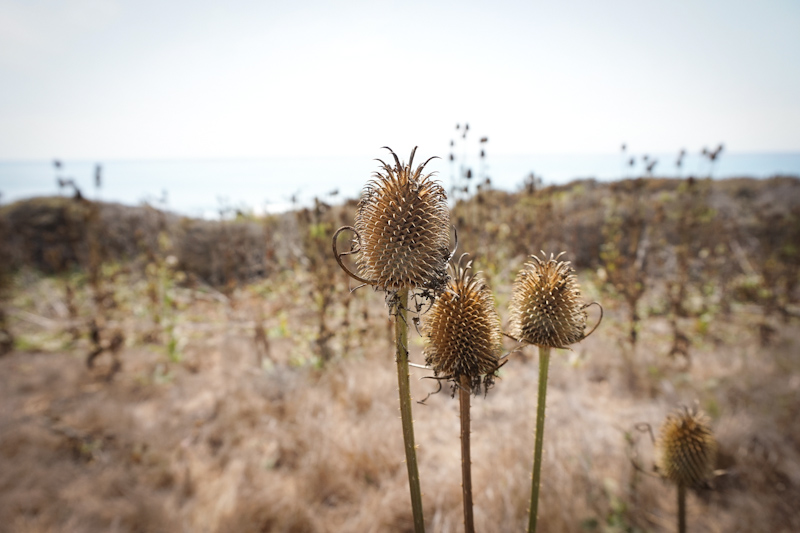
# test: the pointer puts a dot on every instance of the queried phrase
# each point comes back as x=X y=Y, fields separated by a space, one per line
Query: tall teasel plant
x=547 y=311
x=402 y=238
x=687 y=453
x=464 y=342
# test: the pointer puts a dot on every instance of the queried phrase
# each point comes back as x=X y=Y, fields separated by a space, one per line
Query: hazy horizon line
x=489 y=155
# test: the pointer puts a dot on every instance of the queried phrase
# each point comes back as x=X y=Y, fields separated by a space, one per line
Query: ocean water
x=207 y=187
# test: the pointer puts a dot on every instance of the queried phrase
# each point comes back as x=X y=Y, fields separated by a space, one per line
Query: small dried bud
x=687 y=448
x=546 y=307
x=404 y=225
x=463 y=329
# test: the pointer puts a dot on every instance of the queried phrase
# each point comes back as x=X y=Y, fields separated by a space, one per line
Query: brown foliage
x=216 y=442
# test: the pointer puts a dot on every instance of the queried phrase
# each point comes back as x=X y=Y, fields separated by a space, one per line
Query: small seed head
x=404 y=225
x=462 y=329
x=546 y=307
x=687 y=448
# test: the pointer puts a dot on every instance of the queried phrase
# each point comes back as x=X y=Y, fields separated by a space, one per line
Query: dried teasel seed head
x=546 y=307
x=404 y=226
x=462 y=329
x=687 y=448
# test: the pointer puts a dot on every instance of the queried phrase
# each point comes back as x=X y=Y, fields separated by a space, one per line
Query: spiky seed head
x=462 y=329
x=546 y=307
x=404 y=225
x=687 y=448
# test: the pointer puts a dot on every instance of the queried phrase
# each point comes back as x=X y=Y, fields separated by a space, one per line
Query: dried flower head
x=403 y=224
x=546 y=307
x=687 y=448
x=462 y=329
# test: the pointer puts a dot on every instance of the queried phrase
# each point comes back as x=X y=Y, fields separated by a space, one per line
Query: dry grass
x=215 y=443
x=294 y=428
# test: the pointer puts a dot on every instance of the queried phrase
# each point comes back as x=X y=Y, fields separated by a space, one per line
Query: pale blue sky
x=102 y=79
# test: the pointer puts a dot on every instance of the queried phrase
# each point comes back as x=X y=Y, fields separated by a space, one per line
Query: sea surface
x=213 y=187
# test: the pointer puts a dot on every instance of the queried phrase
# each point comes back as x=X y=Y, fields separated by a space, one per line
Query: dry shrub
x=214 y=443
x=223 y=446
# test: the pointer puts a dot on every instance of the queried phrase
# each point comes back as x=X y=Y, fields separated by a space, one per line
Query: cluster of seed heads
x=546 y=308
x=687 y=448
x=463 y=329
x=403 y=225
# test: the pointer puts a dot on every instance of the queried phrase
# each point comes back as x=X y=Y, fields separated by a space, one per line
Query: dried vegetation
x=253 y=392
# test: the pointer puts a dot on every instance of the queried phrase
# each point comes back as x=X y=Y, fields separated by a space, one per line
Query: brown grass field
x=253 y=392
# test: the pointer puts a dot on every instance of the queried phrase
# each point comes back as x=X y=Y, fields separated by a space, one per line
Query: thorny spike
x=394 y=155
x=411 y=157
x=455 y=245
x=423 y=165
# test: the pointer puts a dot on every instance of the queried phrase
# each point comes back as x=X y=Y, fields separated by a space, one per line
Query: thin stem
x=681 y=508
x=401 y=341
x=464 y=392
x=544 y=364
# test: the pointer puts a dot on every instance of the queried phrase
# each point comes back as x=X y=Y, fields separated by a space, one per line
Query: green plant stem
x=544 y=364
x=401 y=341
x=681 y=508
x=464 y=392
